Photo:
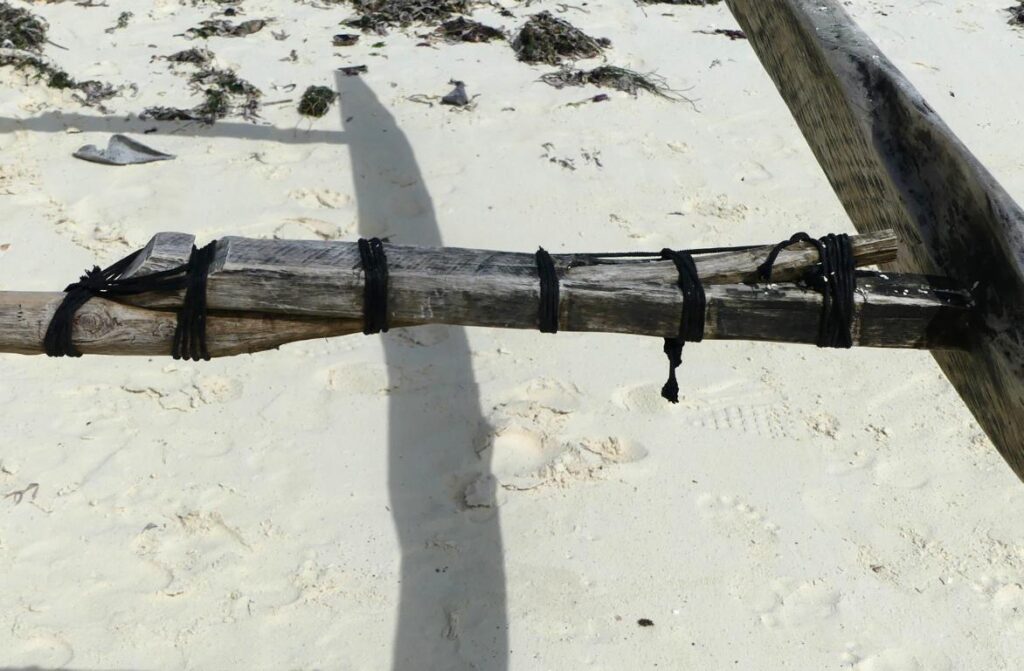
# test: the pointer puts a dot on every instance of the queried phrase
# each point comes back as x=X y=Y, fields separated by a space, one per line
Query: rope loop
x=190 y=333
x=547 y=310
x=375 y=285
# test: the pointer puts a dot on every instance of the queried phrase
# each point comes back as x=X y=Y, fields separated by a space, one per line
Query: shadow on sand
x=59 y=122
x=452 y=613
x=452 y=608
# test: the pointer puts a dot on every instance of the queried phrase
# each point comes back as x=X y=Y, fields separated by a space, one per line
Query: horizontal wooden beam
x=104 y=327
x=896 y=165
x=463 y=286
x=891 y=311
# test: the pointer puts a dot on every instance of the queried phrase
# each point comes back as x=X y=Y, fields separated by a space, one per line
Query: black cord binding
x=190 y=333
x=375 y=287
x=691 y=321
x=835 y=278
x=547 y=311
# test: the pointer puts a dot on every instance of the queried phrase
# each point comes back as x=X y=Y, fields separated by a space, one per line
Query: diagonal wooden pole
x=895 y=165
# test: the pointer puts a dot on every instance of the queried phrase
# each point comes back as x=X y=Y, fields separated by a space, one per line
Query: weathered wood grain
x=105 y=327
x=891 y=311
x=896 y=165
x=464 y=286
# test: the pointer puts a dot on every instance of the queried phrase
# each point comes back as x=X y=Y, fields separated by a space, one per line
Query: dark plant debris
x=699 y=3
x=378 y=15
x=462 y=29
x=353 y=70
x=224 y=93
x=609 y=76
x=170 y=114
x=727 y=32
x=1016 y=14
x=344 y=40
x=194 y=56
x=548 y=39
x=21 y=29
x=316 y=101
x=222 y=28
x=90 y=93
x=645 y=622
x=122 y=22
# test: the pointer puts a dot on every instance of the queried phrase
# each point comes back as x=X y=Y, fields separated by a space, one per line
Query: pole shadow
x=59 y=122
x=452 y=607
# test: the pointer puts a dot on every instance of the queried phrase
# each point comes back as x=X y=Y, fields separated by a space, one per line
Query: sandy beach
x=450 y=498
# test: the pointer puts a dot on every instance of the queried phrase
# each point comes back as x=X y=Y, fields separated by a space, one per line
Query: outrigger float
x=949 y=240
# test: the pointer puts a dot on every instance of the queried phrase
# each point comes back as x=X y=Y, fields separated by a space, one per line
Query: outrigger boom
x=899 y=171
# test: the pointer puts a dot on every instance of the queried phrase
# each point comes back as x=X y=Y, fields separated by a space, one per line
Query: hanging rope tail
x=691 y=320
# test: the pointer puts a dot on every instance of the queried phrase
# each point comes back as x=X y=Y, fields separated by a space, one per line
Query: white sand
x=483 y=499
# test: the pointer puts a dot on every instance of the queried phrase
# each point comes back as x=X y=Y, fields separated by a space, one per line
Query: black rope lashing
x=375 y=285
x=547 y=310
x=57 y=341
x=691 y=320
x=190 y=333
x=835 y=278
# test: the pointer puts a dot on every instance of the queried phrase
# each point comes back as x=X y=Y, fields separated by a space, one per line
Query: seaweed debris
x=609 y=76
x=700 y=3
x=122 y=22
x=1016 y=14
x=344 y=40
x=731 y=33
x=547 y=39
x=378 y=15
x=353 y=70
x=21 y=29
x=193 y=56
x=462 y=29
x=224 y=93
x=222 y=28
x=90 y=93
x=316 y=101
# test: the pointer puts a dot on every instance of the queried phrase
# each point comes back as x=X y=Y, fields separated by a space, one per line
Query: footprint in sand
x=898 y=659
x=1005 y=593
x=320 y=198
x=735 y=518
x=305 y=228
x=528 y=447
x=41 y=646
x=791 y=604
x=732 y=406
x=172 y=392
x=360 y=378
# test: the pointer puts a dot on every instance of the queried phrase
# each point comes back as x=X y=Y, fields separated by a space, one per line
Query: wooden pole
x=264 y=293
x=469 y=287
x=895 y=165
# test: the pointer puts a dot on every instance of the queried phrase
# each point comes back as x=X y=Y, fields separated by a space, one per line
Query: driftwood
x=896 y=165
x=264 y=293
